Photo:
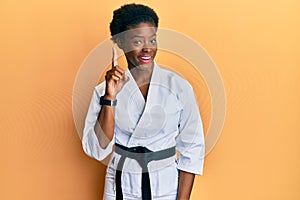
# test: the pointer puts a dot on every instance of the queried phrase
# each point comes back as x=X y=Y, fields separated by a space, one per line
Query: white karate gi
x=169 y=117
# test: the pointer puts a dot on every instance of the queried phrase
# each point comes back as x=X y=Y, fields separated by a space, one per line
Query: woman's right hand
x=115 y=79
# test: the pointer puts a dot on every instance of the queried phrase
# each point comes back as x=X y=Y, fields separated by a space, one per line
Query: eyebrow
x=140 y=36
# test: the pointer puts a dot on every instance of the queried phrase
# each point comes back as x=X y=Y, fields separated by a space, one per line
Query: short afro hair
x=131 y=15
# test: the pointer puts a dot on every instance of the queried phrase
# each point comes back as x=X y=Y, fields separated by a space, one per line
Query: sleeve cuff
x=195 y=167
x=92 y=148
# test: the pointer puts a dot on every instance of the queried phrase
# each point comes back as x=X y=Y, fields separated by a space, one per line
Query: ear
x=119 y=42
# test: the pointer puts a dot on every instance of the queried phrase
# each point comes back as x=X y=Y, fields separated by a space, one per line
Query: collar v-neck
x=133 y=85
x=136 y=98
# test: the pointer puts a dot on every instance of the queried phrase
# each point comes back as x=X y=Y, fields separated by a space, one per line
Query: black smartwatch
x=107 y=102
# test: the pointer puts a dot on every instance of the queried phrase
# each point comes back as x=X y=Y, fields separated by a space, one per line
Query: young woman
x=142 y=116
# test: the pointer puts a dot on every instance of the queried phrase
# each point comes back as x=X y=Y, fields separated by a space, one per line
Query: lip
x=145 y=59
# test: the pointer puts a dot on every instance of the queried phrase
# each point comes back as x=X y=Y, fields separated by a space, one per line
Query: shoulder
x=173 y=79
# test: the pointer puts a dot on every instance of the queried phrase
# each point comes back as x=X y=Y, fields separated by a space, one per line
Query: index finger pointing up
x=114 y=57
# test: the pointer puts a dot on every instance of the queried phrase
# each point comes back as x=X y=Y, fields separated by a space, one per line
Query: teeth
x=146 y=57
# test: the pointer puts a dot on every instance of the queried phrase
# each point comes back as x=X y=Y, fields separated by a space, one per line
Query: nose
x=147 y=47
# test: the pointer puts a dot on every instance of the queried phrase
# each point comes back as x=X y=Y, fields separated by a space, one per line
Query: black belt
x=143 y=156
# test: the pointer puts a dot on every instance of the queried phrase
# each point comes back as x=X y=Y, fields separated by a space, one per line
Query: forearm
x=104 y=129
x=115 y=80
x=186 y=181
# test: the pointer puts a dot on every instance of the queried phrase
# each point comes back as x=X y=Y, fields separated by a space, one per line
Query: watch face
x=107 y=102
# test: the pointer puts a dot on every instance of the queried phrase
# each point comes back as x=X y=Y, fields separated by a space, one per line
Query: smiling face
x=139 y=46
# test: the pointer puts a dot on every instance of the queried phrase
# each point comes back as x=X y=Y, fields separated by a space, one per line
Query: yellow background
x=255 y=44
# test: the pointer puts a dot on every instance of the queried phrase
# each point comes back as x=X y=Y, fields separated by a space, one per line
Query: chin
x=144 y=66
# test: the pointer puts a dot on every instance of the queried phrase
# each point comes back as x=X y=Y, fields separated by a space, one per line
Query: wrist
x=106 y=102
x=109 y=97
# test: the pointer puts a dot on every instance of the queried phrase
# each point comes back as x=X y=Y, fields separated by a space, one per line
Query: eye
x=137 y=42
x=153 y=41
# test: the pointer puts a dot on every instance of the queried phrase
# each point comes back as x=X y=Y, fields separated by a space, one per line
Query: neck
x=141 y=74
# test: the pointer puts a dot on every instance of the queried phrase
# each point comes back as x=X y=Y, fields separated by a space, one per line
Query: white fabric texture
x=169 y=117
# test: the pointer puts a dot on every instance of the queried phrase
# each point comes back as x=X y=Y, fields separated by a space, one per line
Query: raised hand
x=115 y=78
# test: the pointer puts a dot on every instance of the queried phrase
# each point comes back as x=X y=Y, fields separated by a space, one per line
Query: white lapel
x=130 y=106
x=138 y=119
x=153 y=116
